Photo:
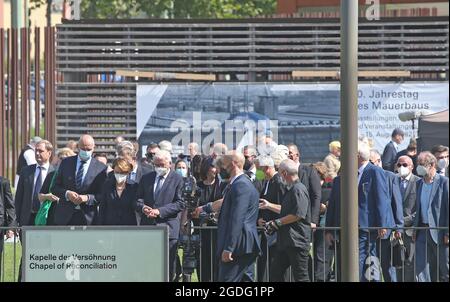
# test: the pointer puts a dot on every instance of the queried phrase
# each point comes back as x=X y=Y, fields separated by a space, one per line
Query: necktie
x=37 y=188
x=79 y=176
x=132 y=176
x=403 y=186
x=158 y=186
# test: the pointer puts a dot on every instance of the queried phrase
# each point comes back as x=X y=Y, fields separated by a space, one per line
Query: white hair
x=363 y=151
x=289 y=166
x=125 y=144
x=164 y=155
x=165 y=145
x=220 y=149
x=265 y=161
x=279 y=154
x=195 y=146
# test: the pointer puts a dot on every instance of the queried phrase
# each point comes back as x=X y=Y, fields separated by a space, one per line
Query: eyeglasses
x=402 y=165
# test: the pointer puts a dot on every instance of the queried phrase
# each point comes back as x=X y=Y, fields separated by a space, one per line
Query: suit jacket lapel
x=436 y=182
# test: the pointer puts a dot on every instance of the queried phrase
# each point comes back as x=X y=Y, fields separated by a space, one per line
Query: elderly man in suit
x=431 y=212
x=160 y=202
x=375 y=210
x=391 y=149
x=79 y=186
x=396 y=213
x=238 y=243
x=31 y=179
x=407 y=185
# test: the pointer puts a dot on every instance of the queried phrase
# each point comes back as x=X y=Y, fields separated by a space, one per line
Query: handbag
x=399 y=252
x=42 y=214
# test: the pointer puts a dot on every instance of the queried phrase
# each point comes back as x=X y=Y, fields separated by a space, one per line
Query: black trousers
x=294 y=257
x=323 y=256
x=78 y=218
x=265 y=260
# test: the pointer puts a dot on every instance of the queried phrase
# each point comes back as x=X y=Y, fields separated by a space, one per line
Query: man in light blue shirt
x=432 y=214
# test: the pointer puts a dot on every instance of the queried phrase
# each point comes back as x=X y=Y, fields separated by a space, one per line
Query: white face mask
x=403 y=171
x=120 y=178
x=85 y=155
x=161 y=171
x=442 y=163
x=421 y=170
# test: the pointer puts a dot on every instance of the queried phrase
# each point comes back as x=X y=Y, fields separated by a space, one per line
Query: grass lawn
x=7 y=273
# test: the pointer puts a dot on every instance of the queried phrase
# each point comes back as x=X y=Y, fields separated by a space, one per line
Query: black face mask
x=149 y=156
x=247 y=164
x=224 y=174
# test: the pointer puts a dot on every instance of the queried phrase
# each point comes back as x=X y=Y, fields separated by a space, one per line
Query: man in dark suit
x=375 y=210
x=250 y=167
x=310 y=178
x=237 y=238
x=407 y=184
x=391 y=149
x=7 y=212
x=410 y=151
x=272 y=192
x=160 y=202
x=31 y=179
x=396 y=213
x=78 y=185
x=432 y=212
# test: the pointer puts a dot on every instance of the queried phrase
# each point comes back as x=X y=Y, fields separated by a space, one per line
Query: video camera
x=191 y=193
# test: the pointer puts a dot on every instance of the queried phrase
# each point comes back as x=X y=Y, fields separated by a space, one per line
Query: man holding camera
x=293 y=226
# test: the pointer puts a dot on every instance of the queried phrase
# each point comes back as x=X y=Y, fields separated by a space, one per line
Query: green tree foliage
x=110 y=9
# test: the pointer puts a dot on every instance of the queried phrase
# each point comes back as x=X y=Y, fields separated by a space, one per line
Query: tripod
x=190 y=244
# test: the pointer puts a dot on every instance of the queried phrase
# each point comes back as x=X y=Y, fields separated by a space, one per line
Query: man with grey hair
x=374 y=209
x=31 y=179
x=293 y=226
x=218 y=149
x=166 y=146
x=272 y=192
x=159 y=201
x=396 y=211
x=79 y=184
x=431 y=212
x=238 y=243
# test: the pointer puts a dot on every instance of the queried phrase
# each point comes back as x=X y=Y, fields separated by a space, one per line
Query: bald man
x=78 y=185
x=238 y=242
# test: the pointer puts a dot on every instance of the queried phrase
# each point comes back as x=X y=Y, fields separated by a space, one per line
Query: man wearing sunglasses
x=407 y=183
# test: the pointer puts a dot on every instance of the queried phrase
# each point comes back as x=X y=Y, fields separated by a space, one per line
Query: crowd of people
x=270 y=208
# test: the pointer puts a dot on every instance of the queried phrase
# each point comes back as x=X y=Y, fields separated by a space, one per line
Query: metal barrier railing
x=324 y=264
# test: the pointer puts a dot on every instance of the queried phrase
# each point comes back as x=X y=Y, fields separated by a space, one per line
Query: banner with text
x=162 y=108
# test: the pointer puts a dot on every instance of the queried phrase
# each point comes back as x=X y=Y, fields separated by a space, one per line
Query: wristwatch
x=278 y=222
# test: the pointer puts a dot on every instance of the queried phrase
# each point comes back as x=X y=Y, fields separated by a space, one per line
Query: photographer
x=294 y=226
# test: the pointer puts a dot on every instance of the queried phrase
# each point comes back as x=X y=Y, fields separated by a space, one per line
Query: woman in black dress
x=118 y=196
